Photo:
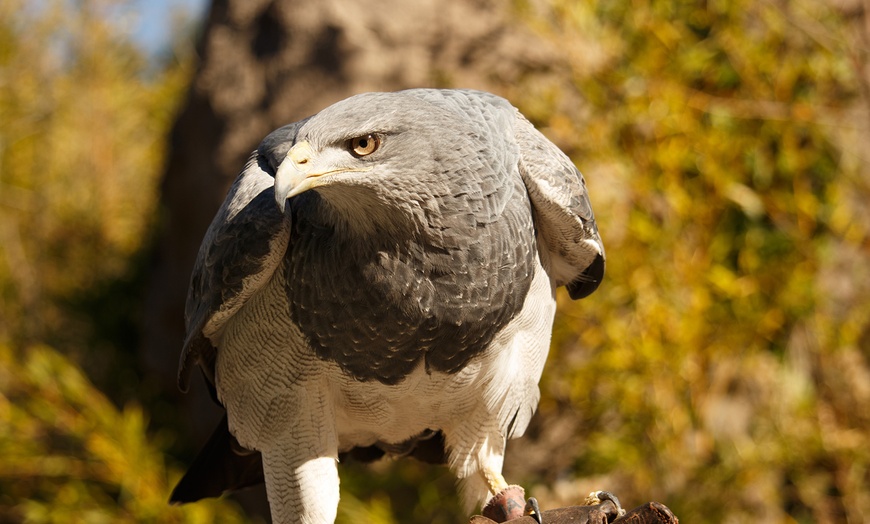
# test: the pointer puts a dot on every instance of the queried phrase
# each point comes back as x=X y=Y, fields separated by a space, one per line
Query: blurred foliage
x=721 y=369
x=85 y=117
x=70 y=456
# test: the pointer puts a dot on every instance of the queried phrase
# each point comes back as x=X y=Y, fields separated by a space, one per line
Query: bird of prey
x=381 y=280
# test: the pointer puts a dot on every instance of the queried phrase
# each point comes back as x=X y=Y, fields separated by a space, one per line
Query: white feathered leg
x=298 y=441
x=301 y=492
x=476 y=458
x=300 y=463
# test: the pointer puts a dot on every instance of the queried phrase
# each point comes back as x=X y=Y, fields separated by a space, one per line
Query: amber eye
x=364 y=145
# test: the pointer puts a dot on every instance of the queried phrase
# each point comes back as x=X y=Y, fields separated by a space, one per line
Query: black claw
x=533 y=510
x=606 y=495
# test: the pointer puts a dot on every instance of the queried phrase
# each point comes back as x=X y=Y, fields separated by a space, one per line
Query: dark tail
x=222 y=466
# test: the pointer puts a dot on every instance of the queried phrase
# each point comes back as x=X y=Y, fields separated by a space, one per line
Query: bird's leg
x=494 y=480
x=299 y=458
x=305 y=492
x=508 y=501
x=477 y=461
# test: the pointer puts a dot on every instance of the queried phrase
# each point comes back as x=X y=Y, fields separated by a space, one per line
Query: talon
x=592 y=499
x=597 y=497
x=533 y=510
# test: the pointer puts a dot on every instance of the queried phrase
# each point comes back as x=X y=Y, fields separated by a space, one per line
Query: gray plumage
x=400 y=292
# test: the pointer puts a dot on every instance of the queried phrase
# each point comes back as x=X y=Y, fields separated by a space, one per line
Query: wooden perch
x=604 y=513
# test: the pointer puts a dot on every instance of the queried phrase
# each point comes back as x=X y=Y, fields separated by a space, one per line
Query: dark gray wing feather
x=242 y=248
x=573 y=252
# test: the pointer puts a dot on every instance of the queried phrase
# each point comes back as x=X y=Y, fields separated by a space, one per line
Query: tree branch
x=605 y=513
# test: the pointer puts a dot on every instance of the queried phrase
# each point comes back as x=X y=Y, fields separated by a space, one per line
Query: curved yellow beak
x=303 y=169
x=293 y=176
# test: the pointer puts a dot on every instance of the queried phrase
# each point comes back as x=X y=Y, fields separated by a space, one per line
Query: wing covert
x=243 y=246
x=562 y=211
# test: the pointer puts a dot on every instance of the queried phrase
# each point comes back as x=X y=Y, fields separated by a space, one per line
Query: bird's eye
x=364 y=145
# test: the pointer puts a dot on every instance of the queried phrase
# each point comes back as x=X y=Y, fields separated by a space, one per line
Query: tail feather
x=220 y=467
x=223 y=466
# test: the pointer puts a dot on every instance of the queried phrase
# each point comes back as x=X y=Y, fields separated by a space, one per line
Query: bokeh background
x=723 y=368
